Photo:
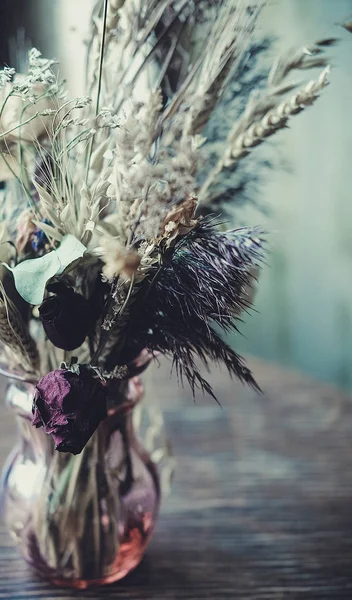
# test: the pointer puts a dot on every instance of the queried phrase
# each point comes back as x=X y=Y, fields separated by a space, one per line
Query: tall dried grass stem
x=240 y=144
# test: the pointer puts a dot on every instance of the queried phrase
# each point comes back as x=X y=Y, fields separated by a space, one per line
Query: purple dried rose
x=69 y=406
x=66 y=317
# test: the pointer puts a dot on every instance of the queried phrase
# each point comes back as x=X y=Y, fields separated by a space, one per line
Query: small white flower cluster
x=82 y=102
x=6 y=75
x=107 y=118
x=40 y=74
x=40 y=69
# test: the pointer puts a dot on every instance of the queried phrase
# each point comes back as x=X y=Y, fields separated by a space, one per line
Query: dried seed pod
x=15 y=335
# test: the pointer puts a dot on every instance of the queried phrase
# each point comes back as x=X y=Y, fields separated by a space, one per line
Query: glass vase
x=87 y=519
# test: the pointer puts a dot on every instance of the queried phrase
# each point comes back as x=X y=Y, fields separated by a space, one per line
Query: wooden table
x=261 y=506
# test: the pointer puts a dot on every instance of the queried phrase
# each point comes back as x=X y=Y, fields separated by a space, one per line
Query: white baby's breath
x=82 y=102
x=6 y=75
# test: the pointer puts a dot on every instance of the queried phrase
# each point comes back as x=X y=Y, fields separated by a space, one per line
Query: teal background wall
x=304 y=300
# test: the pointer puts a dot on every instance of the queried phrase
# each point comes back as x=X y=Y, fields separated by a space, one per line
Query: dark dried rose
x=70 y=407
x=98 y=296
x=66 y=317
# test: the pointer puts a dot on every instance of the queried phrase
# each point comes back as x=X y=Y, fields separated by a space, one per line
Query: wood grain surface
x=261 y=505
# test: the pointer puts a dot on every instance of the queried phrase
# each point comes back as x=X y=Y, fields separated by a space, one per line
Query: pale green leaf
x=69 y=250
x=31 y=276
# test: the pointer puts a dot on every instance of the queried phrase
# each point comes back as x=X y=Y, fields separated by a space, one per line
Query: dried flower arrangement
x=107 y=258
x=113 y=249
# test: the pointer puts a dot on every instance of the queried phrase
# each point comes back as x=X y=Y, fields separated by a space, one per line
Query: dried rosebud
x=70 y=405
x=25 y=230
x=179 y=221
x=66 y=317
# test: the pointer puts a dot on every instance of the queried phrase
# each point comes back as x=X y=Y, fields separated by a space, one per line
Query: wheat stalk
x=274 y=119
x=15 y=335
x=225 y=47
x=240 y=144
x=305 y=58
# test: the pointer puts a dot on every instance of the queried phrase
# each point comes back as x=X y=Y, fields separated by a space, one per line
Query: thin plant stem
x=100 y=79
x=107 y=334
x=5 y=133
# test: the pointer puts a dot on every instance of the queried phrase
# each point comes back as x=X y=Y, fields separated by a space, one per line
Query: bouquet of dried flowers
x=114 y=250
x=107 y=257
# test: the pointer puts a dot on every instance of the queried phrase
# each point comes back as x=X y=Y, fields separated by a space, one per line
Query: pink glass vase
x=87 y=519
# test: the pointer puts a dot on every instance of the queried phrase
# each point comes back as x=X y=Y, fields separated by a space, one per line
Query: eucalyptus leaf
x=31 y=276
x=69 y=250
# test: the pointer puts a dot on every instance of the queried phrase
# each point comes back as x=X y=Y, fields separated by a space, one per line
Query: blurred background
x=303 y=315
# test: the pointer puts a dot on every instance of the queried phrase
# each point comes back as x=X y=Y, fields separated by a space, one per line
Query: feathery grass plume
x=305 y=58
x=149 y=177
x=202 y=283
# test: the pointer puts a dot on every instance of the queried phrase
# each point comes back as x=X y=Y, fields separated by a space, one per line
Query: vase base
x=128 y=558
x=83 y=584
x=84 y=520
